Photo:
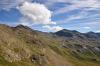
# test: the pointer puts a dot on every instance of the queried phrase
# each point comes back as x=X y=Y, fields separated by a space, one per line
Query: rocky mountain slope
x=23 y=46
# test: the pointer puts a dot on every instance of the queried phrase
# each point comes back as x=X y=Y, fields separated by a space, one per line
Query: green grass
x=81 y=59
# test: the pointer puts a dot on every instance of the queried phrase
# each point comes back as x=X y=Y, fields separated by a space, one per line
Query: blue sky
x=52 y=15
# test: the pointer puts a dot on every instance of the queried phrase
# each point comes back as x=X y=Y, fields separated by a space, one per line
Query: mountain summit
x=73 y=33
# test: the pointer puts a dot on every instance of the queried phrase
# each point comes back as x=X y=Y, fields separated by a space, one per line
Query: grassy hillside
x=22 y=46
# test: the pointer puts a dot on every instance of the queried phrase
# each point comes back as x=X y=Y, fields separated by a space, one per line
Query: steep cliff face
x=22 y=46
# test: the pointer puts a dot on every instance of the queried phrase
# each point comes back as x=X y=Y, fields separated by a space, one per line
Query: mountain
x=73 y=33
x=91 y=38
x=93 y=35
x=69 y=34
x=23 y=46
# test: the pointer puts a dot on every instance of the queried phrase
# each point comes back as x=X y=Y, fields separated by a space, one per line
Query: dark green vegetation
x=22 y=46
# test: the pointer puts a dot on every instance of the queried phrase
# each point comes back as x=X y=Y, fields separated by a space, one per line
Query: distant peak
x=20 y=25
x=91 y=32
x=24 y=27
x=64 y=30
x=75 y=31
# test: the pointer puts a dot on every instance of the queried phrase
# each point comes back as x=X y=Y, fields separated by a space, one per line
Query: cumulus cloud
x=9 y=4
x=36 y=13
x=54 y=28
x=32 y=13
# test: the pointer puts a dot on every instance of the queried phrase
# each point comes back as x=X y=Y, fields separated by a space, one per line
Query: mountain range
x=23 y=46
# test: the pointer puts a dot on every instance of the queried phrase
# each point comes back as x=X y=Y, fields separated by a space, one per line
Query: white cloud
x=64 y=10
x=53 y=28
x=96 y=22
x=87 y=27
x=85 y=14
x=54 y=1
x=36 y=13
x=8 y=4
x=98 y=31
x=77 y=4
x=71 y=18
x=86 y=3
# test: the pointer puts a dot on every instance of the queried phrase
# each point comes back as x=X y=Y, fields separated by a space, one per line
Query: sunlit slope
x=22 y=46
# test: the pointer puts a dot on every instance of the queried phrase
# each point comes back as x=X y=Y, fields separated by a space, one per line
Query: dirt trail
x=56 y=59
